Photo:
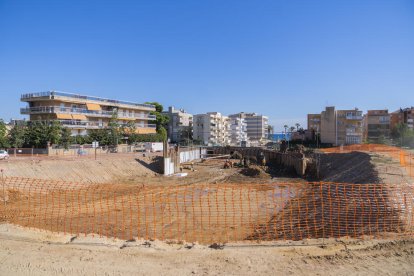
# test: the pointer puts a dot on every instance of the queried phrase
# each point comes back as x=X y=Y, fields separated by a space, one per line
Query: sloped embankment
x=353 y=167
x=103 y=170
x=352 y=201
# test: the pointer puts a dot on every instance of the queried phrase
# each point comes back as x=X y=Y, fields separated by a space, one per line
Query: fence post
x=4 y=190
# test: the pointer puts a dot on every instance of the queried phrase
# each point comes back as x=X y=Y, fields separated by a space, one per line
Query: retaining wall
x=294 y=160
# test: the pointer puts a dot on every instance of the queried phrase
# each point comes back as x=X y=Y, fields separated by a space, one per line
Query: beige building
x=349 y=127
x=212 y=129
x=341 y=127
x=328 y=126
x=377 y=125
x=81 y=113
x=314 y=122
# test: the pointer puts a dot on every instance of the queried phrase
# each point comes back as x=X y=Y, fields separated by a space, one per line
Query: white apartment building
x=180 y=125
x=256 y=125
x=238 y=131
x=212 y=129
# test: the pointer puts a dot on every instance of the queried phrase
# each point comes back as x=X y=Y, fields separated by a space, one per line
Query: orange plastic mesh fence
x=211 y=213
x=403 y=156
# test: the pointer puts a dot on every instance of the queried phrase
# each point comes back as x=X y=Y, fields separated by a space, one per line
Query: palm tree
x=285 y=126
x=297 y=126
x=292 y=129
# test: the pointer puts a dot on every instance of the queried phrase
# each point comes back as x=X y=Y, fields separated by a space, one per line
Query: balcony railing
x=90 y=124
x=49 y=94
x=353 y=117
x=99 y=113
x=353 y=131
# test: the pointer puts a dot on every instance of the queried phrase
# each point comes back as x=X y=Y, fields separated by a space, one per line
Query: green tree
x=186 y=135
x=114 y=131
x=36 y=135
x=139 y=138
x=39 y=134
x=161 y=119
x=403 y=135
x=100 y=135
x=4 y=143
x=17 y=136
x=54 y=132
x=163 y=133
x=82 y=139
x=65 y=139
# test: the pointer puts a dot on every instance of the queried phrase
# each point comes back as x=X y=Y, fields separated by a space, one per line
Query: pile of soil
x=254 y=171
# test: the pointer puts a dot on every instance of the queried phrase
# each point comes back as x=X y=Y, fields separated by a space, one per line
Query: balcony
x=93 y=125
x=53 y=94
x=91 y=113
x=353 y=117
x=353 y=132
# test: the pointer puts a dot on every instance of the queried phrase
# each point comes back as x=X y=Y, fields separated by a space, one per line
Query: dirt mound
x=254 y=171
x=86 y=170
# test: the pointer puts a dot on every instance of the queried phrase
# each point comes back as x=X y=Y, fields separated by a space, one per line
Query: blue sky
x=280 y=58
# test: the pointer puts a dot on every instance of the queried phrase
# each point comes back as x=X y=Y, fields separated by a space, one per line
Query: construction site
x=287 y=211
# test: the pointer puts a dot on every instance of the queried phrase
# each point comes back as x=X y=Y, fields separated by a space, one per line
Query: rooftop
x=28 y=96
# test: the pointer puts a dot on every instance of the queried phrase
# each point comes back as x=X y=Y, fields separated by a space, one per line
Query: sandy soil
x=106 y=168
x=24 y=252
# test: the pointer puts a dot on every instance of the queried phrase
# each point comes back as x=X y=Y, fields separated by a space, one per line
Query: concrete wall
x=175 y=158
x=293 y=160
x=192 y=154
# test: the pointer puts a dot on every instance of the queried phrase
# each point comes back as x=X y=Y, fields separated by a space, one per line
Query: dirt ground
x=355 y=167
x=25 y=251
x=28 y=252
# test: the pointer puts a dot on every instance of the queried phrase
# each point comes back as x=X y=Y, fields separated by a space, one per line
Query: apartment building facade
x=257 y=125
x=82 y=113
x=349 y=127
x=377 y=125
x=341 y=127
x=212 y=129
x=180 y=126
x=238 y=131
x=403 y=116
x=314 y=122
